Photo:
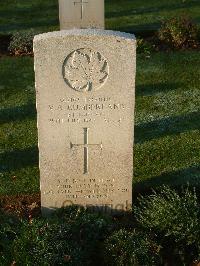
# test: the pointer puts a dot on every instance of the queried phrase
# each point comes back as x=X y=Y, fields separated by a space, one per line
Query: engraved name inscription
x=75 y=110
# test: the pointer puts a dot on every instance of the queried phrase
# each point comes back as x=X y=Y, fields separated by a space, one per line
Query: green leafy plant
x=9 y=227
x=71 y=237
x=130 y=248
x=174 y=219
x=22 y=42
x=144 y=47
x=179 y=32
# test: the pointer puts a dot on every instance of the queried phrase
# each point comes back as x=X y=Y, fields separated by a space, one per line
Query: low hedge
x=164 y=229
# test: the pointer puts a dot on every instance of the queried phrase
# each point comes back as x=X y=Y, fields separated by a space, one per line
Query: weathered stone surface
x=85 y=84
x=81 y=14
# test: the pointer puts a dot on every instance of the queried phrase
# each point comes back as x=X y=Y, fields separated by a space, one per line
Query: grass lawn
x=126 y=15
x=167 y=126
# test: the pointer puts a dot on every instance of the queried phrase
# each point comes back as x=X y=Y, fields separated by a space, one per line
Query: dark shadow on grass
x=167 y=126
x=25 y=11
x=4 y=43
x=152 y=9
x=151 y=89
x=29 y=25
x=17 y=113
x=24 y=18
x=142 y=30
x=106 y=209
x=189 y=176
x=18 y=159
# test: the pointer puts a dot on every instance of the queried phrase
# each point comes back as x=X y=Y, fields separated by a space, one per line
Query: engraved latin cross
x=82 y=2
x=86 y=146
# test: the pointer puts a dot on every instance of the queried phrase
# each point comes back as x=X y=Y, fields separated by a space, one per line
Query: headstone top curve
x=84 y=32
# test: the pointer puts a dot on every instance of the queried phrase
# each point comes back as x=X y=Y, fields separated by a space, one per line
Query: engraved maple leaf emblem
x=85 y=70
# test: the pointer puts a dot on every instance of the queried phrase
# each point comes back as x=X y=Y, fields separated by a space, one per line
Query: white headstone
x=81 y=14
x=85 y=83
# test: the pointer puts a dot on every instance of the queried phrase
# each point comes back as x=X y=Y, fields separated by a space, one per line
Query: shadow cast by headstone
x=21 y=26
x=167 y=126
x=17 y=113
x=142 y=30
x=150 y=10
x=152 y=89
x=18 y=159
x=25 y=17
x=107 y=209
x=175 y=179
x=4 y=43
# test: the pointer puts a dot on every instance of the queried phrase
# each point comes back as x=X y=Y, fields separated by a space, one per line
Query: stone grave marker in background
x=85 y=84
x=81 y=14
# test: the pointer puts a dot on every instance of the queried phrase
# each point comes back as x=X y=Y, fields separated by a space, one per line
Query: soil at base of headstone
x=22 y=206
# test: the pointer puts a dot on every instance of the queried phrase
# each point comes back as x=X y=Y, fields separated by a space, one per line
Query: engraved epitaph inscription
x=85 y=70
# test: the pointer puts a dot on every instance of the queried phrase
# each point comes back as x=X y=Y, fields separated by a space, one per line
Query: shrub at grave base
x=22 y=42
x=179 y=33
x=175 y=220
x=166 y=232
x=72 y=238
x=144 y=47
x=130 y=248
